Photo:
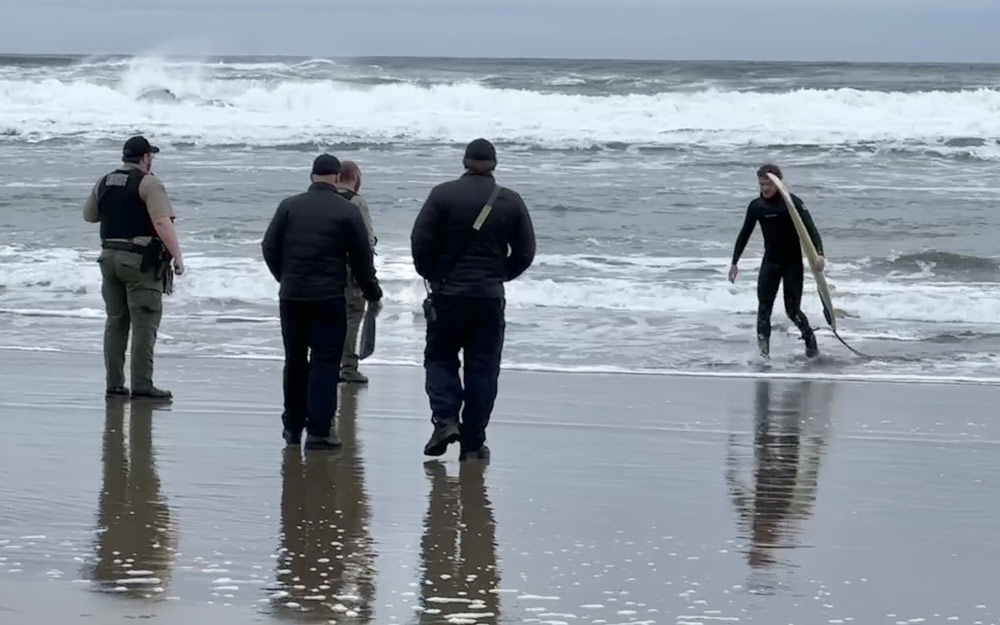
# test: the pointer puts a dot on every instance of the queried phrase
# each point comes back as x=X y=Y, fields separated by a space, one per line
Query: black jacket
x=312 y=238
x=444 y=226
x=781 y=239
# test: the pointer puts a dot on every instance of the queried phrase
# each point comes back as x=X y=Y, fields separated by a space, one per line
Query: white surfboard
x=813 y=257
x=810 y=251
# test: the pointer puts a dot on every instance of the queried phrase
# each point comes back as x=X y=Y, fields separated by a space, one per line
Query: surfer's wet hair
x=769 y=168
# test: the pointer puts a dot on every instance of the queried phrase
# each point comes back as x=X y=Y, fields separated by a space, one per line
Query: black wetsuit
x=782 y=259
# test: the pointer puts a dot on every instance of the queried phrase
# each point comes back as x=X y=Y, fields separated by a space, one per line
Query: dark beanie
x=480 y=150
x=326 y=165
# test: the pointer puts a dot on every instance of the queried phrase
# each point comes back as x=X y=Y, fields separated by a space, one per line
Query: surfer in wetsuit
x=782 y=260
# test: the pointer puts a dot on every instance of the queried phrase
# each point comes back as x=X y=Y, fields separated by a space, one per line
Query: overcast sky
x=851 y=30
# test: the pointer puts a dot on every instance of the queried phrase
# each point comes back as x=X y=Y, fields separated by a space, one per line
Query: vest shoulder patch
x=116 y=179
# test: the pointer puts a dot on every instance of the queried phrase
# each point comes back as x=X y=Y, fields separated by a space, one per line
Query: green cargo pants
x=355 y=313
x=133 y=299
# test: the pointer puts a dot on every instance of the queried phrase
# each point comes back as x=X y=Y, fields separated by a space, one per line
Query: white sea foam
x=263 y=107
x=66 y=283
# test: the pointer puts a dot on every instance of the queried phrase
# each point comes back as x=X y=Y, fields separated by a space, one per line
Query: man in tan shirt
x=348 y=185
x=138 y=240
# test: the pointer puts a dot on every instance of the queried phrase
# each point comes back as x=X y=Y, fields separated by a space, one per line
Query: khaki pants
x=133 y=300
x=355 y=313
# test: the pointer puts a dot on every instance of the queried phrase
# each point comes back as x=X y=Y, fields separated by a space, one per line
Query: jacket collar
x=321 y=186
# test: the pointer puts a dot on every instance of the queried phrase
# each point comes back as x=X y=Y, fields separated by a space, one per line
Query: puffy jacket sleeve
x=522 y=240
x=274 y=239
x=427 y=237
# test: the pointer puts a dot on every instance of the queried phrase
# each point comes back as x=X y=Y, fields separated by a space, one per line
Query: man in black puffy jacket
x=470 y=237
x=311 y=240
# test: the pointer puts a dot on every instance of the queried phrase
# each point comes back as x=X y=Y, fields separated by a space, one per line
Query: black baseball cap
x=138 y=146
x=326 y=165
x=480 y=150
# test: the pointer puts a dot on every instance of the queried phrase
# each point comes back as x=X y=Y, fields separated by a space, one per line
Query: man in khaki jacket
x=348 y=185
x=138 y=240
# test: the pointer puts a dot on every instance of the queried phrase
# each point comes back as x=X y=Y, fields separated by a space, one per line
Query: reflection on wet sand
x=135 y=539
x=789 y=438
x=458 y=549
x=326 y=564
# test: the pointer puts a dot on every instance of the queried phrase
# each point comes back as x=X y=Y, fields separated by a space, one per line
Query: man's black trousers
x=314 y=334
x=474 y=326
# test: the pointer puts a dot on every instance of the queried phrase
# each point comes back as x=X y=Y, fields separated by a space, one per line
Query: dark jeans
x=313 y=332
x=772 y=275
x=475 y=326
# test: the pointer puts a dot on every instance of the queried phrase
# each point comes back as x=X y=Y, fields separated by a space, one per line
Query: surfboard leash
x=851 y=348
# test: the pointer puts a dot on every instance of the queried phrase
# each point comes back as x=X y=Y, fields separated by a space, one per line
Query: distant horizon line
x=479 y=58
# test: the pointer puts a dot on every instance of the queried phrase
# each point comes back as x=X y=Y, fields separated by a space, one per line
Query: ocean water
x=637 y=176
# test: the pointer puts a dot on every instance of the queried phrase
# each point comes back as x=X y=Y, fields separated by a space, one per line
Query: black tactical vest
x=123 y=213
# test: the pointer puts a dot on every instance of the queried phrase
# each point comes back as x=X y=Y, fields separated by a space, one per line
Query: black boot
x=764 y=345
x=442 y=436
x=292 y=438
x=812 y=350
x=153 y=393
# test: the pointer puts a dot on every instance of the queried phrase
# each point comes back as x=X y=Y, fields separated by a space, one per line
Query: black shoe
x=442 y=436
x=483 y=454
x=153 y=393
x=764 y=346
x=812 y=350
x=292 y=438
x=117 y=391
x=322 y=443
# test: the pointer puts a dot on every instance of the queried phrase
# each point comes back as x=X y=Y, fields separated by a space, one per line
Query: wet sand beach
x=610 y=499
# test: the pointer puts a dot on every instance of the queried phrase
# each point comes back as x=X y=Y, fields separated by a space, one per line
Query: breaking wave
x=267 y=106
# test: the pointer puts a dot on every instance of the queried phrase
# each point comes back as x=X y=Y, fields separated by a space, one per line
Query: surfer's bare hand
x=733 y=272
x=820 y=263
x=375 y=307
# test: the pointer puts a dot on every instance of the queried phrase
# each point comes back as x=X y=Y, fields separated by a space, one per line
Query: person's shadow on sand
x=326 y=563
x=135 y=537
x=789 y=439
x=458 y=556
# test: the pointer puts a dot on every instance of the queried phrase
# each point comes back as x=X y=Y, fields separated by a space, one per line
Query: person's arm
x=360 y=258
x=425 y=239
x=274 y=240
x=367 y=217
x=168 y=234
x=91 y=214
x=522 y=243
x=749 y=222
x=153 y=193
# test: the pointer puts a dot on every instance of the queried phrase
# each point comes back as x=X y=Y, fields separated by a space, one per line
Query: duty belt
x=125 y=246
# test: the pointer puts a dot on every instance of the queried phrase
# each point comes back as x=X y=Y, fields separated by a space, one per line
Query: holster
x=152 y=255
x=157 y=257
x=168 y=279
x=429 y=313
